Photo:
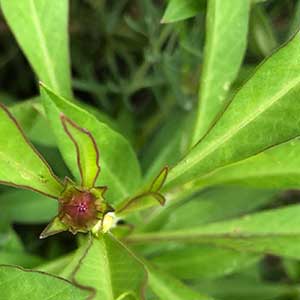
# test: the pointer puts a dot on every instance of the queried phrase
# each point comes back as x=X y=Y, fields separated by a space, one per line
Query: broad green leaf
x=41 y=29
x=244 y=288
x=110 y=269
x=168 y=288
x=12 y=250
x=225 y=46
x=18 y=283
x=87 y=152
x=27 y=207
x=195 y=262
x=274 y=232
x=119 y=165
x=216 y=205
x=212 y=205
x=18 y=258
x=20 y=164
x=178 y=10
x=188 y=261
x=263 y=113
x=55 y=266
x=277 y=167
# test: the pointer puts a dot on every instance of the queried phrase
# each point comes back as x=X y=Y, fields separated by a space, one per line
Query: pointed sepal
x=159 y=181
x=147 y=198
x=54 y=227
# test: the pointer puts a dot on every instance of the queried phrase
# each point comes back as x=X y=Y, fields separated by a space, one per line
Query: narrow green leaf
x=87 y=152
x=225 y=46
x=110 y=269
x=20 y=163
x=41 y=29
x=195 y=262
x=120 y=169
x=178 y=10
x=215 y=204
x=241 y=287
x=277 y=167
x=168 y=288
x=274 y=232
x=18 y=283
x=262 y=114
x=27 y=207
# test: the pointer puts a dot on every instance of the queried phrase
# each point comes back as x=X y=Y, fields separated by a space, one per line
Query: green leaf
x=18 y=283
x=195 y=262
x=263 y=113
x=188 y=261
x=168 y=288
x=277 y=167
x=262 y=38
x=12 y=250
x=212 y=205
x=274 y=232
x=295 y=23
x=151 y=196
x=31 y=117
x=110 y=269
x=87 y=152
x=178 y=10
x=20 y=163
x=244 y=287
x=217 y=204
x=18 y=258
x=41 y=29
x=225 y=46
x=27 y=207
x=120 y=169
x=160 y=151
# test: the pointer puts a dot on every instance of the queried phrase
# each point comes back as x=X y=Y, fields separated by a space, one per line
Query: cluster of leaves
x=213 y=225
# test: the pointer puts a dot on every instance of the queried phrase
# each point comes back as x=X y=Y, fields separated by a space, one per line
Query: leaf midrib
x=229 y=134
x=45 y=52
x=107 y=272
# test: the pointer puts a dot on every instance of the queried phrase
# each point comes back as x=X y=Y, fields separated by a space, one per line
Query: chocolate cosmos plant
x=81 y=207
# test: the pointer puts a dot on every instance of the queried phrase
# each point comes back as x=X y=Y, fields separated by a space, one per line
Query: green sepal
x=159 y=181
x=69 y=188
x=54 y=227
x=147 y=198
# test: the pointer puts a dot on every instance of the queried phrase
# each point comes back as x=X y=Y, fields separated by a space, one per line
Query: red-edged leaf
x=20 y=164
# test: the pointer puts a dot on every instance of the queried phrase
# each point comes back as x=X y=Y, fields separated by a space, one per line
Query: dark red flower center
x=79 y=211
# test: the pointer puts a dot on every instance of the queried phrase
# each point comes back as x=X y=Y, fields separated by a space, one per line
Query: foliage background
x=144 y=74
